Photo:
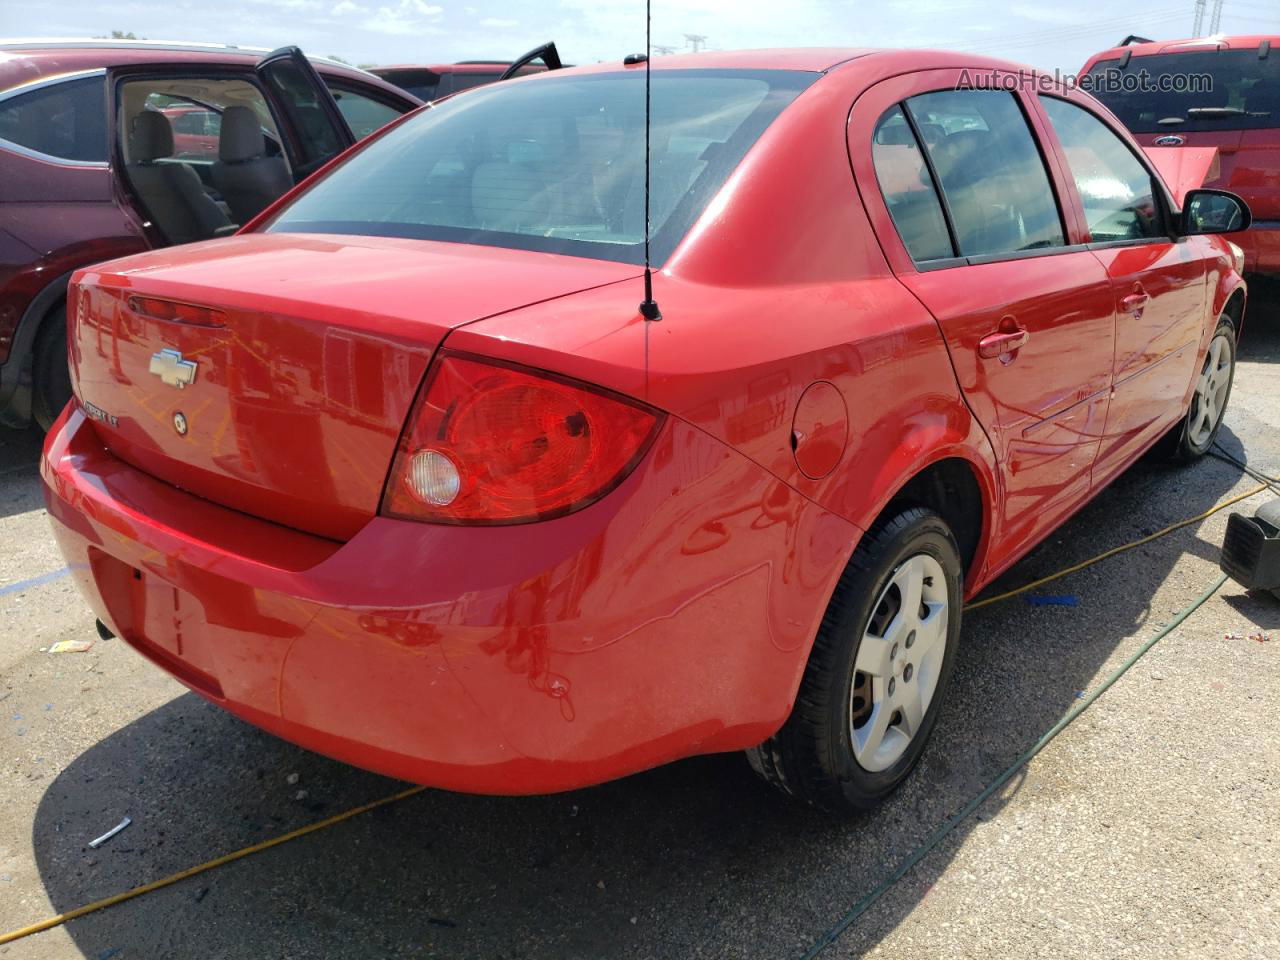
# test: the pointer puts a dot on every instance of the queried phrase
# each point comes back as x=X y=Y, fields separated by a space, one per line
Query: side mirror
x=1214 y=211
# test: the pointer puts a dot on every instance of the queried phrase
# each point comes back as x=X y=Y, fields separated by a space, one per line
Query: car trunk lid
x=273 y=373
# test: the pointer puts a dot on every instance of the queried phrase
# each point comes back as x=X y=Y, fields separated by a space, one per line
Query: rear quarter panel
x=780 y=285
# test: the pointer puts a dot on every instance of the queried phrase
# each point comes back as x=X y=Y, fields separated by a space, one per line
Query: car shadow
x=19 y=471
x=697 y=858
x=1261 y=339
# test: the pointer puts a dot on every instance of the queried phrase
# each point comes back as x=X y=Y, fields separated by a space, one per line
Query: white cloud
x=386 y=31
x=499 y=23
x=407 y=17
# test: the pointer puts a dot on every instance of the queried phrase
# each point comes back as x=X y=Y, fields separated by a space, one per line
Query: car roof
x=880 y=60
x=470 y=66
x=29 y=59
x=813 y=59
x=1196 y=45
x=862 y=66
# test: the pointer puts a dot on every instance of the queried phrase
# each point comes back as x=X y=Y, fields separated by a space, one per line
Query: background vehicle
x=441 y=80
x=402 y=474
x=1239 y=114
x=195 y=130
x=80 y=182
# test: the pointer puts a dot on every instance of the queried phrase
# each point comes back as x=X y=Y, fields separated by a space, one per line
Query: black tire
x=1179 y=445
x=51 y=387
x=812 y=757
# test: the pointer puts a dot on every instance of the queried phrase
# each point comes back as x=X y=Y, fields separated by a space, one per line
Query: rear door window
x=65 y=120
x=991 y=172
x=363 y=113
x=908 y=188
x=1116 y=190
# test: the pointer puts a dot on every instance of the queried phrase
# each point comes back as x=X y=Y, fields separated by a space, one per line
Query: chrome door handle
x=1134 y=303
x=1002 y=344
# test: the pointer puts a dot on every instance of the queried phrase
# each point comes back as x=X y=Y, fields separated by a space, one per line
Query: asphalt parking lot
x=1150 y=828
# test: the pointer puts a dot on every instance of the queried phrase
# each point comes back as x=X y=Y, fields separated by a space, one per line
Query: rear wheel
x=879 y=667
x=1193 y=437
x=51 y=388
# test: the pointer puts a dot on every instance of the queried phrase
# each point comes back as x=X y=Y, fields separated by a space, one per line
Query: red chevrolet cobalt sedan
x=403 y=473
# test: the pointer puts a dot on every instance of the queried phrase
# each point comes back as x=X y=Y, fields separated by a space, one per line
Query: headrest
x=526 y=153
x=241 y=136
x=932 y=132
x=898 y=135
x=150 y=137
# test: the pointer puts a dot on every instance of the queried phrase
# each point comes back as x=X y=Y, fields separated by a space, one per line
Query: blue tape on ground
x=34 y=581
x=1054 y=600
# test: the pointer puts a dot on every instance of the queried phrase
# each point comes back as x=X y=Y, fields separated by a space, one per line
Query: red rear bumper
x=671 y=618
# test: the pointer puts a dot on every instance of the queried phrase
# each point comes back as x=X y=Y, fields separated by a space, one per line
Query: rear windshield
x=421 y=83
x=1191 y=92
x=465 y=81
x=554 y=165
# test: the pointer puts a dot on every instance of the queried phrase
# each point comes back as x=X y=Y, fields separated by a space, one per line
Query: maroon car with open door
x=96 y=161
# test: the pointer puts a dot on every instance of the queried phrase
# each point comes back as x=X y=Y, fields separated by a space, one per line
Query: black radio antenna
x=648 y=306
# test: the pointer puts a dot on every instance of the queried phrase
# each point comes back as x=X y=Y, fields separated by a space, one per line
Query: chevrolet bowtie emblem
x=169 y=366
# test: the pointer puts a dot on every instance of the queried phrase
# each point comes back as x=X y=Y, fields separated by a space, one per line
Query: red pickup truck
x=1216 y=91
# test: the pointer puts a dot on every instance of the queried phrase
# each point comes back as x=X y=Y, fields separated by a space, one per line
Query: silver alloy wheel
x=1210 y=399
x=898 y=663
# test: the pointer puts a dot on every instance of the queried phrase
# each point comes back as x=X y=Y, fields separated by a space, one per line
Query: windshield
x=1191 y=92
x=555 y=164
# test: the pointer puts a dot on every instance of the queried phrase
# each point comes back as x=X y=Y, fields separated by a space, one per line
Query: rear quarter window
x=364 y=114
x=908 y=189
x=66 y=120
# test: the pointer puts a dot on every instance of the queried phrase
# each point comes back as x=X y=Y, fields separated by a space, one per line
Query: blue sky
x=1043 y=34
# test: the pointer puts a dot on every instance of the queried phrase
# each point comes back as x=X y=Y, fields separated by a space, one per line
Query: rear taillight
x=494 y=443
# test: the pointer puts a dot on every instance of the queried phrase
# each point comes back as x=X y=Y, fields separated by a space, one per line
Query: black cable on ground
x=865 y=904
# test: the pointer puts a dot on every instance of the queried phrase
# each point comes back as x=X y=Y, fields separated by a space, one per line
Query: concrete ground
x=1150 y=828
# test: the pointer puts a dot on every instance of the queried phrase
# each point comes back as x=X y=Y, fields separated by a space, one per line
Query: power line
x=1081 y=31
x=1216 y=20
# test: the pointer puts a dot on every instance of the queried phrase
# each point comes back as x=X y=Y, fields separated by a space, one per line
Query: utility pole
x=698 y=40
x=1198 y=29
x=1216 y=20
x=662 y=50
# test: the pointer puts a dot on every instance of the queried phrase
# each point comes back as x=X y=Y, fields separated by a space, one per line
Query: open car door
x=547 y=53
x=315 y=130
